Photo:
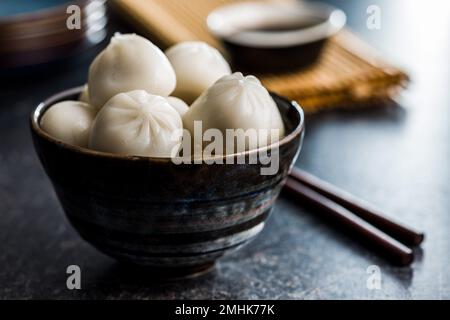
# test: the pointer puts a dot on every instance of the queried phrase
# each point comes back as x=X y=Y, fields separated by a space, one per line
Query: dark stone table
x=396 y=157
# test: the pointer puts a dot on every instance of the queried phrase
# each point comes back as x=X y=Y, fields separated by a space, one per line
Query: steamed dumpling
x=197 y=66
x=69 y=121
x=237 y=102
x=137 y=123
x=84 y=95
x=178 y=105
x=129 y=62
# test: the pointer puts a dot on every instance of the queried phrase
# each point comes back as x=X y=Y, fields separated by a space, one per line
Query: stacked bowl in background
x=35 y=32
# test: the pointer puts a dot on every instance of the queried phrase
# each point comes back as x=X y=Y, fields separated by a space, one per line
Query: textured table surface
x=395 y=157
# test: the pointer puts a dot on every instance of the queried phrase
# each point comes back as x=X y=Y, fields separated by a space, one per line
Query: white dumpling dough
x=197 y=66
x=137 y=123
x=178 y=105
x=237 y=102
x=69 y=121
x=84 y=95
x=129 y=62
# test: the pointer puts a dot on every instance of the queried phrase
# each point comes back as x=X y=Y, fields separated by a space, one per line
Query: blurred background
x=377 y=125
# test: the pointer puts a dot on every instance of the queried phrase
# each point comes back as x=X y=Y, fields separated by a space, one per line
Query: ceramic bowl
x=268 y=37
x=154 y=213
x=37 y=32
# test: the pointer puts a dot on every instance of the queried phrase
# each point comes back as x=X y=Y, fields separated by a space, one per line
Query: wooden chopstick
x=388 y=246
x=401 y=232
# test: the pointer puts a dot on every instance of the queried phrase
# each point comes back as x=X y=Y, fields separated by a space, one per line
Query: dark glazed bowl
x=154 y=213
x=268 y=37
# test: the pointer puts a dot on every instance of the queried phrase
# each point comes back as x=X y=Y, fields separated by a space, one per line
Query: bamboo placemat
x=348 y=74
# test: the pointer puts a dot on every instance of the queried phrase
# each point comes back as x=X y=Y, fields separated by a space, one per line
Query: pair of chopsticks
x=392 y=238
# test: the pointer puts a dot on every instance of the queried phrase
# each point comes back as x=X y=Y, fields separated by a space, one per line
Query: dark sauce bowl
x=274 y=37
x=151 y=212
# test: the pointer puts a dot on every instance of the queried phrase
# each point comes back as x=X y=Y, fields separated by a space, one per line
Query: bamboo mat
x=348 y=74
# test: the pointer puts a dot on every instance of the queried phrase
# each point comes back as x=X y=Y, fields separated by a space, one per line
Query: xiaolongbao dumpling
x=237 y=102
x=178 y=105
x=84 y=95
x=69 y=121
x=197 y=66
x=137 y=123
x=129 y=62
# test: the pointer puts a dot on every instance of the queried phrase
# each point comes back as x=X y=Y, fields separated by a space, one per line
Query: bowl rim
x=334 y=19
x=42 y=107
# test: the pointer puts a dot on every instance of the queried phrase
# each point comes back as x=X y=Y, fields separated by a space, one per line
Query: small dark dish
x=154 y=213
x=274 y=37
